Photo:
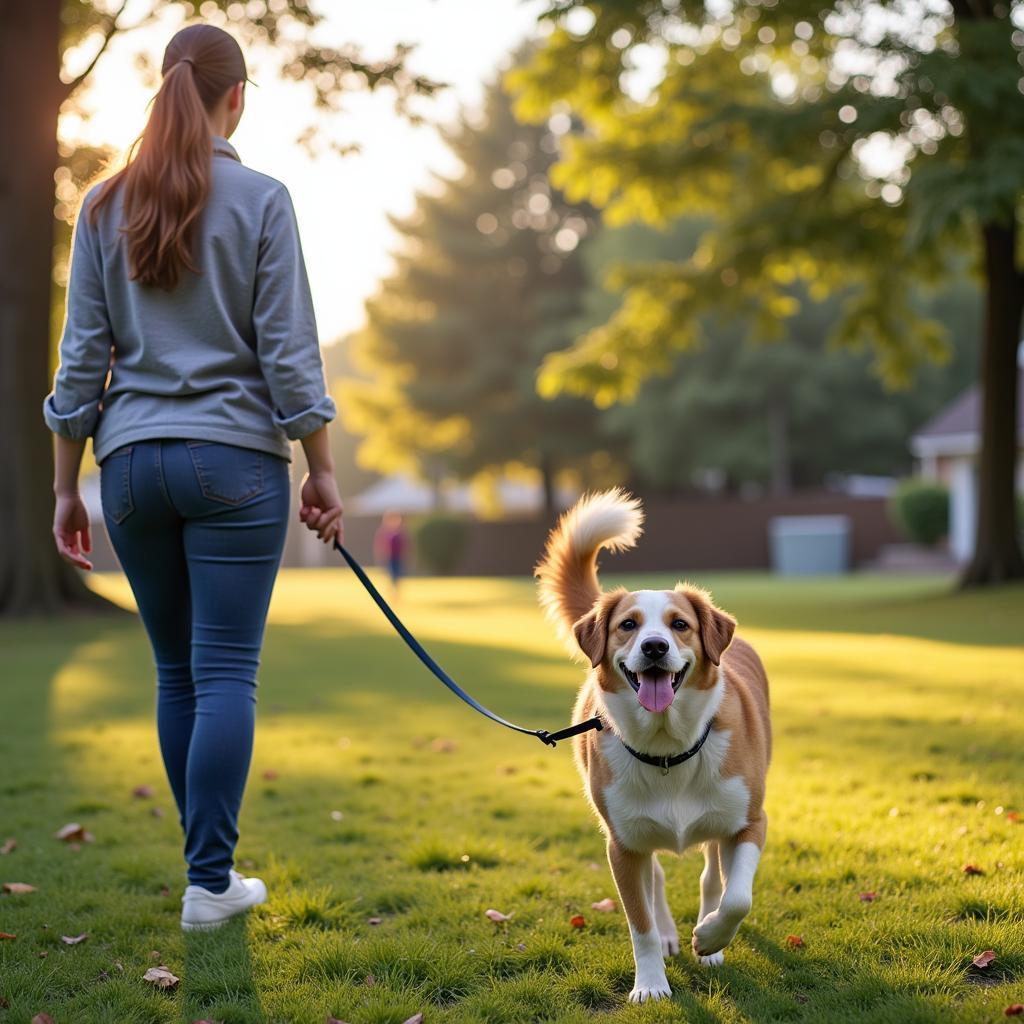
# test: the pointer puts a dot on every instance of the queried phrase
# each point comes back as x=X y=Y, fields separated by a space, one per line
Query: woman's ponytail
x=166 y=181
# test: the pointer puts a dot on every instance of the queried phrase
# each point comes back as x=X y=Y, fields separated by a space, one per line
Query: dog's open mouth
x=655 y=687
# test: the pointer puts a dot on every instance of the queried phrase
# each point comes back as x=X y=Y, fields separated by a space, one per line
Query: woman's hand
x=321 y=508
x=71 y=530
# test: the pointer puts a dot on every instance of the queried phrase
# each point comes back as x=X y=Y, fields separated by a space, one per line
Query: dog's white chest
x=691 y=803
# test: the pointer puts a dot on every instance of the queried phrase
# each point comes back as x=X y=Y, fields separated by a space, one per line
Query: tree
x=32 y=577
x=850 y=145
x=488 y=281
x=789 y=413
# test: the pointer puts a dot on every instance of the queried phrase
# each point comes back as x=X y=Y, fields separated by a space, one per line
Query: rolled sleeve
x=286 y=336
x=72 y=408
x=76 y=425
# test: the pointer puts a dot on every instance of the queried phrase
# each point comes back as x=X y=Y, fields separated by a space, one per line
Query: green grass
x=899 y=751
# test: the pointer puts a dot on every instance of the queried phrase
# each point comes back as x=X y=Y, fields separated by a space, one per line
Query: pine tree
x=488 y=281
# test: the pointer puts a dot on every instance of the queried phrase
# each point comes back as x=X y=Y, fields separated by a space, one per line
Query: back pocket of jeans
x=226 y=473
x=116 y=485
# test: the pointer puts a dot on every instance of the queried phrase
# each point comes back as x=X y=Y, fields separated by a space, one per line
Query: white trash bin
x=809 y=545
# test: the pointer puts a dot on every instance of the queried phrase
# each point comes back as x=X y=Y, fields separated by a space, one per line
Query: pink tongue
x=655 y=692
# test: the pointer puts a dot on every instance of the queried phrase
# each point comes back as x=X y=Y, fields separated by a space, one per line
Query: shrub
x=920 y=508
x=440 y=543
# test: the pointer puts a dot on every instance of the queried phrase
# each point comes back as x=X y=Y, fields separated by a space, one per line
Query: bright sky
x=342 y=202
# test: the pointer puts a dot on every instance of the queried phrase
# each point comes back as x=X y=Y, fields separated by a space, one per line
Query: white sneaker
x=202 y=909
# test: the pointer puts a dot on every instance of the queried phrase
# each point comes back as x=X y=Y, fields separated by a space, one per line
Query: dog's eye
x=681 y=625
x=627 y=624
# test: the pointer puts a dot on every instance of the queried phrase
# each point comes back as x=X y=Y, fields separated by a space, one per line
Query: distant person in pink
x=390 y=545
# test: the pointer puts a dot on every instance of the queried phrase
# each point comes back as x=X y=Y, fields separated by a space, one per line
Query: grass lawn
x=386 y=818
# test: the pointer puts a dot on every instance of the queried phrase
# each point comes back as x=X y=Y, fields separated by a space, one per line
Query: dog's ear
x=716 y=626
x=591 y=631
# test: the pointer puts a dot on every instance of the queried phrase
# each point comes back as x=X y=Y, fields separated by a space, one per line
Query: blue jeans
x=199 y=529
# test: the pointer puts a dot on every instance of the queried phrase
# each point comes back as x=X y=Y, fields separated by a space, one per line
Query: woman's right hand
x=321 y=508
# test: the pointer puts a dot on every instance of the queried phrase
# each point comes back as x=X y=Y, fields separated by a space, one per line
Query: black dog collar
x=667 y=761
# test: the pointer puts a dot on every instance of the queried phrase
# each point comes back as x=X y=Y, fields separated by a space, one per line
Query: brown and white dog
x=666 y=671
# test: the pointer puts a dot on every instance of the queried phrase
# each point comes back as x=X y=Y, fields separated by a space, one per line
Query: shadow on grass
x=218 y=978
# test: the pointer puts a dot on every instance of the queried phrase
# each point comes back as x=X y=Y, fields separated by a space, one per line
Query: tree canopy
x=794 y=412
x=845 y=148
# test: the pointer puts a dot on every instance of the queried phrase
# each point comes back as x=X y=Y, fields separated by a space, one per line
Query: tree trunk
x=33 y=579
x=997 y=555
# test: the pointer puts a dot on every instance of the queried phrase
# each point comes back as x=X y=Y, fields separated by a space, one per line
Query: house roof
x=955 y=429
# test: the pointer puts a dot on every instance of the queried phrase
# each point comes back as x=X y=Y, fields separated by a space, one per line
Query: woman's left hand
x=71 y=530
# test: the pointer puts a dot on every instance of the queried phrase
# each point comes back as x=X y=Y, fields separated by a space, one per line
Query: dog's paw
x=715 y=960
x=644 y=993
x=669 y=944
x=713 y=934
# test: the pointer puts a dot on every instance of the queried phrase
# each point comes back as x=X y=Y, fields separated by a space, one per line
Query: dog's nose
x=654 y=647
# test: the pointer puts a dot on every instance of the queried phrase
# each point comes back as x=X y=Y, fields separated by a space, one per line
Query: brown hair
x=166 y=179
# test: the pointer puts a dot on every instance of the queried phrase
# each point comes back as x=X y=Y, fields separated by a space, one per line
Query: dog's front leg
x=738 y=862
x=634 y=878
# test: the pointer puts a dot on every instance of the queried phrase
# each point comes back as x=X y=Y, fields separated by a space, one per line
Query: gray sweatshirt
x=229 y=354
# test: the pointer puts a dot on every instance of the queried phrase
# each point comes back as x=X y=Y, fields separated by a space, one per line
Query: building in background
x=946 y=448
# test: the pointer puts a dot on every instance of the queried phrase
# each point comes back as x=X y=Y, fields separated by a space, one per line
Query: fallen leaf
x=578 y=921
x=119 y=966
x=42 y=1018
x=868 y=897
x=972 y=869
x=161 y=977
x=18 y=887
x=4 y=1004
x=73 y=833
x=143 y=792
x=74 y=940
x=497 y=916
x=373 y=920
x=270 y=775
x=7 y=935
x=795 y=941
x=11 y=844
x=165 y=890
x=983 y=960
x=606 y=906
x=155 y=954
x=42 y=956
x=443 y=746
x=1014 y=1010
x=416 y=1018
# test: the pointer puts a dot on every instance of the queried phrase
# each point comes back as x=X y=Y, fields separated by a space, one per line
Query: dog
x=686 y=739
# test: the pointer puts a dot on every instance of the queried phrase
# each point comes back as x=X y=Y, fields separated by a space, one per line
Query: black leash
x=550 y=738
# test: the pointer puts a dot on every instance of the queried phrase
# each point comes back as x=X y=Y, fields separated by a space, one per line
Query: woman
x=190 y=355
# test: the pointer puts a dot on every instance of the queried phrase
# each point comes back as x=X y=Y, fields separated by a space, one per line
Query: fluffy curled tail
x=567 y=574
